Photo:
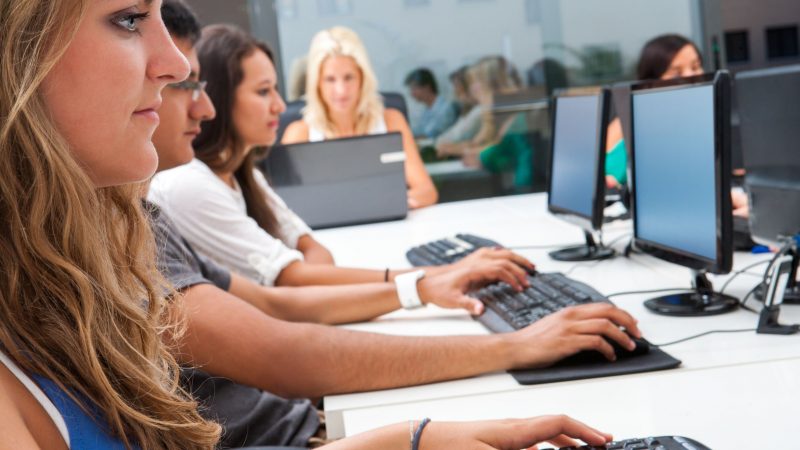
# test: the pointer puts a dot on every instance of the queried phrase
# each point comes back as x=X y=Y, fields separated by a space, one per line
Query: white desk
x=718 y=365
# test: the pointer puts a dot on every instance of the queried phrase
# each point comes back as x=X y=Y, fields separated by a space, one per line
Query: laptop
x=341 y=182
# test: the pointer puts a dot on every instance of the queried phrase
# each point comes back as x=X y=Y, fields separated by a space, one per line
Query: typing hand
x=496 y=254
x=571 y=330
x=512 y=434
x=448 y=289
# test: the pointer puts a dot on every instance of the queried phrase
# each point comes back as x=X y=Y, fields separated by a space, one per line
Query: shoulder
x=394 y=119
x=185 y=186
x=297 y=131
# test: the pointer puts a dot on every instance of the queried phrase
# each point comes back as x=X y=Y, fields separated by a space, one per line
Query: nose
x=340 y=87
x=279 y=106
x=165 y=62
x=203 y=109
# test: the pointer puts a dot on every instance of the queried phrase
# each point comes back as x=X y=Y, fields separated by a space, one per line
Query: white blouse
x=213 y=218
x=317 y=135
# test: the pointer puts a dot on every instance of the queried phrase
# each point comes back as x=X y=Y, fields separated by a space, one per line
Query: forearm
x=230 y=338
x=425 y=194
x=392 y=437
x=314 y=252
x=331 y=304
x=304 y=274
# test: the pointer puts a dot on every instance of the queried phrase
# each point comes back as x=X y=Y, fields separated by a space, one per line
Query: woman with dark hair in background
x=662 y=58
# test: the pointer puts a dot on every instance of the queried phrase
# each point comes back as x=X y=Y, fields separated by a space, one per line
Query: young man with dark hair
x=439 y=114
x=235 y=332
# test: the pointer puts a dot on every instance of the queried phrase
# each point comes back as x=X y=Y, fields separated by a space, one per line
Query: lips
x=149 y=111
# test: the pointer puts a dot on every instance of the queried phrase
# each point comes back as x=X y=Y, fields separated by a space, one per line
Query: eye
x=264 y=92
x=130 y=22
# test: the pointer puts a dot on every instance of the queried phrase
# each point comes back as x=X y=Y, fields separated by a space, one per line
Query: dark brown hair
x=221 y=50
x=658 y=54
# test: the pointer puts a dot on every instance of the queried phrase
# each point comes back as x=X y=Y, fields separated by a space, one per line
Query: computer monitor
x=680 y=150
x=769 y=118
x=576 y=190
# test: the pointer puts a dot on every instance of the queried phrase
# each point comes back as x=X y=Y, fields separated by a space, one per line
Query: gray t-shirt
x=248 y=415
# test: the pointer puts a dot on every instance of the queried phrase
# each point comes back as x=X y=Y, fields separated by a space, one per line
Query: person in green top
x=665 y=57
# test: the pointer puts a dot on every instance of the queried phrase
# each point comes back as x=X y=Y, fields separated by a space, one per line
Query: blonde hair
x=496 y=73
x=341 y=41
x=80 y=297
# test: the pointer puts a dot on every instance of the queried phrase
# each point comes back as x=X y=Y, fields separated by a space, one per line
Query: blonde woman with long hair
x=82 y=364
x=343 y=100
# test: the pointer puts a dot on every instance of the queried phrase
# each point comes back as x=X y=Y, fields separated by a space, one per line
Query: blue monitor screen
x=575 y=150
x=675 y=193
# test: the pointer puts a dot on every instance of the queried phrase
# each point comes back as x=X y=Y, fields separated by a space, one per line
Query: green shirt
x=617 y=162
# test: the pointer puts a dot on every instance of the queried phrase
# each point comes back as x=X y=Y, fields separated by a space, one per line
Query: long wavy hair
x=341 y=41
x=80 y=298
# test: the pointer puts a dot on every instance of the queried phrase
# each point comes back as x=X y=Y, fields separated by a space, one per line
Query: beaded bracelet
x=418 y=434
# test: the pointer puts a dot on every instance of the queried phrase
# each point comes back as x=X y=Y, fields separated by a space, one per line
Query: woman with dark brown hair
x=662 y=58
x=226 y=209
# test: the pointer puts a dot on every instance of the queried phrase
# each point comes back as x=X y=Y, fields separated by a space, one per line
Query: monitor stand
x=589 y=252
x=702 y=301
x=792 y=294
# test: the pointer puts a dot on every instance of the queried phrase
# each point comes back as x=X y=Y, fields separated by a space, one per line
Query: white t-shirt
x=317 y=135
x=213 y=218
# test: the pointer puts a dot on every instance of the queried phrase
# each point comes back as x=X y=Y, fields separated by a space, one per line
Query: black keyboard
x=649 y=443
x=448 y=250
x=509 y=310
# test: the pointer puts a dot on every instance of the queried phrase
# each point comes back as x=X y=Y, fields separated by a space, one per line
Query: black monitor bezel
x=594 y=221
x=721 y=81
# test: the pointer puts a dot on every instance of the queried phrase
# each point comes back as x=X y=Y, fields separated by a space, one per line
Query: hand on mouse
x=571 y=330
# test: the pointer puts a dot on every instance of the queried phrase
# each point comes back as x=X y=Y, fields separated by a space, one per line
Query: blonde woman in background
x=490 y=76
x=82 y=364
x=343 y=100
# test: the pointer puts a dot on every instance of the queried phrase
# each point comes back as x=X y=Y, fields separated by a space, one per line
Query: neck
x=227 y=176
x=344 y=124
x=430 y=100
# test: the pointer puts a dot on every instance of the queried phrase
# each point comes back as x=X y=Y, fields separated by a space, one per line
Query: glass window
x=782 y=42
x=518 y=50
x=737 y=46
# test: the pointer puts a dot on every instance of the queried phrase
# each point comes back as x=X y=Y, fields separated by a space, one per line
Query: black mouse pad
x=655 y=359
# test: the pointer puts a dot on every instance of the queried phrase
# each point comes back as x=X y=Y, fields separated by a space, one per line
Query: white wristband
x=407 y=289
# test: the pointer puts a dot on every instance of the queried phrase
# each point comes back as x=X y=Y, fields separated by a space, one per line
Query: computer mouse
x=593 y=356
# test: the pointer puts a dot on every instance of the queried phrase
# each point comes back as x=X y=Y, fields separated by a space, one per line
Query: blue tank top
x=85 y=432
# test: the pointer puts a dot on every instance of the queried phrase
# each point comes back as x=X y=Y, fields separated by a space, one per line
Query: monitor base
x=590 y=251
x=582 y=253
x=692 y=304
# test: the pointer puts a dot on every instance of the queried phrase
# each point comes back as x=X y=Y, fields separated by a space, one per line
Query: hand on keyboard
x=495 y=254
x=512 y=434
x=571 y=330
x=448 y=288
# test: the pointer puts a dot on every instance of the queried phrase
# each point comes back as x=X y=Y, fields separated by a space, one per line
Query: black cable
x=741 y=271
x=743 y=330
x=649 y=291
x=746 y=297
x=542 y=247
